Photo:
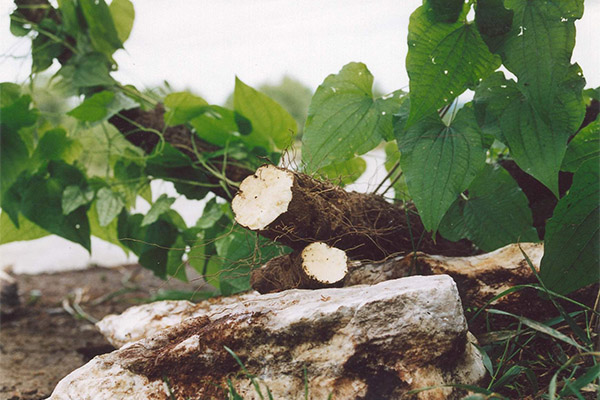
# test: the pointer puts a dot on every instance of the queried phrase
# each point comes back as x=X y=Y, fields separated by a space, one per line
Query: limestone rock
x=371 y=342
x=479 y=278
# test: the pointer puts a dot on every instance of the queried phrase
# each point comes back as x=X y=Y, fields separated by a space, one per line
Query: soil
x=47 y=337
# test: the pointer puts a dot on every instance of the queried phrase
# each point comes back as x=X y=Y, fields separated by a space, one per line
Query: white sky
x=203 y=45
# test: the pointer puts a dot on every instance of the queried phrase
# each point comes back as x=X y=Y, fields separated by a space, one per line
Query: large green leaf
x=101 y=26
x=572 y=234
x=445 y=10
x=345 y=172
x=272 y=126
x=539 y=45
x=584 y=146
x=220 y=126
x=537 y=140
x=41 y=203
x=182 y=107
x=123 y=15
x=492 y=18
x=440 y=161
x=344 y=120
x=443 y=61
x=494 y=214
x=27 y=230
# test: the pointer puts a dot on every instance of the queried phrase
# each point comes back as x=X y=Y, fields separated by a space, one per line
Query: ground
x=42 y=342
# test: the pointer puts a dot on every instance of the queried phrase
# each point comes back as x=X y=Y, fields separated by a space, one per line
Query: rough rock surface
x=372 y=342
x=479 y=278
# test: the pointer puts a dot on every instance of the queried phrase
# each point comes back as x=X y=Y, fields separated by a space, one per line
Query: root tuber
x=317 y=266
x=295 y=209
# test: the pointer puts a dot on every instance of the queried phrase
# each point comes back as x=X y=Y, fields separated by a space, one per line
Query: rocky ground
x=52 y=332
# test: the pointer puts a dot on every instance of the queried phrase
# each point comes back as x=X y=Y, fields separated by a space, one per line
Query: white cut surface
x=263 y=197
x=324 y=263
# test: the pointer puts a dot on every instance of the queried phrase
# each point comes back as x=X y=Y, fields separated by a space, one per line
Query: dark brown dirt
x=41 y=342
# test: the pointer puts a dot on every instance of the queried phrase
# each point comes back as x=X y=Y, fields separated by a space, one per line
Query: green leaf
x=536 y=139
x=443 y=61
x=19 y=113
x=242 y=250
x=440 y=161
x=70 y=19
x=101 y=27
x=87 y=70
x=55 y=145
x=584 y=146
x=539 y=45
x=41 y=203
x=345 y=172
x=571 y=253
x=160 y=206
x=130 y=179
x=123 y=15
x=492 y=19
x=182 y=107
x=495 y=214
x=108 y=232
x=445 y=10
x=108 y=205
x=9 y=93
x=74 y=197
x=45 y=49
x=18 y=28
x=93 y=108
x=27 y=230
x=159 y=239
x=540 y=327
x=16 y=113
x=220 y=126
x=212 y=213
x=175 y=264
x=344 y=120
x=101 y=106
x=272 y=126
x=130 y=232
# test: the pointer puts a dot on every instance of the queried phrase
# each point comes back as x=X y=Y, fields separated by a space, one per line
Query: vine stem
x=389 y=174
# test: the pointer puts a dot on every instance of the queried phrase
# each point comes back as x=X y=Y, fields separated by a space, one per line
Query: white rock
x=357 y=342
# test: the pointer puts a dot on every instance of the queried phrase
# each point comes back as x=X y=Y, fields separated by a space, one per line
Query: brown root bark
x=317 y=266
x=296 y=210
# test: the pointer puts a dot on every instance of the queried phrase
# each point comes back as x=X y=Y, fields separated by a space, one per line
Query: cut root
x=296 y=210
x=317 y=266
x=262 y=197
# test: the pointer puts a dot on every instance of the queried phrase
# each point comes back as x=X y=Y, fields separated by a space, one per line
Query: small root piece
x=316 y=266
